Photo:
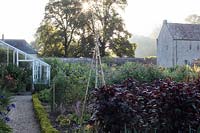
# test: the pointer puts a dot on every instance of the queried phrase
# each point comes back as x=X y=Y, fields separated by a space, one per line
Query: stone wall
x=187 y=51
x=165 y=48
x=111 y=61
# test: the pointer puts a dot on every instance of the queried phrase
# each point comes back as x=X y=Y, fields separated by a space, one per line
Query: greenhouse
x=12 y=55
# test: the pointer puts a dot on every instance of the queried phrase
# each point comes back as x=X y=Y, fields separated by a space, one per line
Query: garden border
x=42 y=116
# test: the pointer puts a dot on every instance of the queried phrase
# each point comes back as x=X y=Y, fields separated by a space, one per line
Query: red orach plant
x=162 y=106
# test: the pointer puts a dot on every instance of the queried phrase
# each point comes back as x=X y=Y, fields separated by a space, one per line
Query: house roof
x=21 y=44
x=184 y=31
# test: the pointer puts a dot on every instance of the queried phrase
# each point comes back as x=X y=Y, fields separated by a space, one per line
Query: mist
x=146 y=46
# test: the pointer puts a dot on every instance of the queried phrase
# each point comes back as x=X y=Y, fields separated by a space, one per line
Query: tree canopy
x=70 y=30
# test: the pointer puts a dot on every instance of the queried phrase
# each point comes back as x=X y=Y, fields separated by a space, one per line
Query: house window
x=190 y=46
x=167 y=47
x=197 y=47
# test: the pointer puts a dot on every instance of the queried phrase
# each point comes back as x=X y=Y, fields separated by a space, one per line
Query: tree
x=72 y=31
x=64 y=16
x=48 y=41
x=111 y=29
x=123 y=47
x=193 y=19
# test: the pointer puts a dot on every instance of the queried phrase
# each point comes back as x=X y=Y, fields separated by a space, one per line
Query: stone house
x=178 y=44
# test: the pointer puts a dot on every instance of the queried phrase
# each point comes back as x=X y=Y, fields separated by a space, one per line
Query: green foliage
x=67 y=30
x=60 y=88
x=4 y=99
x=4 y=103
x=15 y=79
x=67 y=120
x=76 y=76
x=60 y=27
x=113 y=33
x=4 y=128
x=56 y=66
x=70 y=84
x=148 y=73
x=143 y=73
x=70 y=81
x=3 y=55
x=48 y=41
x=45 y=95
x=40 y=87
x=180 y=73
x=42 y=116
x=63 y=120
x=122 y=47
x=71 y=122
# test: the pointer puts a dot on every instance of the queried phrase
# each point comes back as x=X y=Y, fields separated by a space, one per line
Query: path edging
x=42 y=116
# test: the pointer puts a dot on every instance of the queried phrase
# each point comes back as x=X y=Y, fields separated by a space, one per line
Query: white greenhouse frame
x=40 y=69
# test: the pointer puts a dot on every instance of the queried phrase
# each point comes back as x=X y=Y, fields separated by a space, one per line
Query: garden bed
x=67 y=121
x=69 y=83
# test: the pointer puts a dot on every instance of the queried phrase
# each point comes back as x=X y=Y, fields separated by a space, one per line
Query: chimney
x=2 y=37
x=164 y=22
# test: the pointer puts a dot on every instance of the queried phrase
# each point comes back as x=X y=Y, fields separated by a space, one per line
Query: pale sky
x=143 y=16
x=21 y=18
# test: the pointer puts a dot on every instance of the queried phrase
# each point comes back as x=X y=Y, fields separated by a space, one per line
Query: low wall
x=111 y=61
x=119 y=61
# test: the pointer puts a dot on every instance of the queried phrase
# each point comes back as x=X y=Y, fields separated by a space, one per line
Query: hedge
x=42 y=116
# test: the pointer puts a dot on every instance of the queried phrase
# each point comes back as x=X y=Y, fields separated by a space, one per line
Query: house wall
x=187 y=51
x=165 y=46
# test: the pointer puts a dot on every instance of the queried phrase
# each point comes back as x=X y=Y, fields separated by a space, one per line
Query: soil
x=53 y=117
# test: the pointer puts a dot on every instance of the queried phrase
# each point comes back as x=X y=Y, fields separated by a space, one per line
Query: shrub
x=143 y=73
x=148 y=73
x=162 y=106
x=76 y=77
x=180 y=73
x=45 y=95
x=71 y=78
x=41 y=87
x=15 y=79
x=70 y=84
x=60 y=84
x=56 y=66
x=42 y=116
x=70 y=81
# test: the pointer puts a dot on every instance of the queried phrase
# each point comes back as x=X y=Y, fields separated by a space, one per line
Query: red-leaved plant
x=162 y=106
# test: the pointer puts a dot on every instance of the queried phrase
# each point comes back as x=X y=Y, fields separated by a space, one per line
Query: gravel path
x=23 y=117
